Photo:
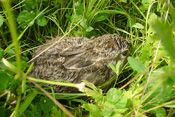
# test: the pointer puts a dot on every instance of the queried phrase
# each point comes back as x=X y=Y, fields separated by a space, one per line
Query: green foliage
x=1 y=20
x=4 y=80
x=113 y=104
x=136 y=65
x=43 y=107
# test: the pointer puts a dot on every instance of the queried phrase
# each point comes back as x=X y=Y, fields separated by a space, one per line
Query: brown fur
x=75 y=59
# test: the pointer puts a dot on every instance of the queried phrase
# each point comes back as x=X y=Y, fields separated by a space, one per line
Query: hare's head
x=112 y=48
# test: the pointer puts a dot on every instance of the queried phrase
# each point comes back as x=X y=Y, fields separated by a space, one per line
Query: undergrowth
x=145 y=85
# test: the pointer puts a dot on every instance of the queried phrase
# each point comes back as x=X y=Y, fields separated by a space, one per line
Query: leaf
x=172 y=11
x=1 y=20
x=122 y=103
x=131 y=21
x=25 y=17
x=152 y=18
x=3 y=80
x=160 y=112
x=9 y=65
x=27 y=101
x=103 y=14
x=24 y=64
x=29 y=69
x=147 y=1
x=1 y=53
x=106 y=112
x=138 y=25
x=29 y=5
x=135 y=64
x=146 y=53
x=93 y=109
x=100 y=17
x=118 y=66
x=11 y=52
x=4 y=111
x=125 y=1
x=121 y=110
x=164 y=32
x=89 y=29
x=92 y=90
x=46 y=105
x=167 y=87
x=79 y=8
x=41 y=21
x=113 y=95
x=112 y=67
x=75 y=18
x=84 y=23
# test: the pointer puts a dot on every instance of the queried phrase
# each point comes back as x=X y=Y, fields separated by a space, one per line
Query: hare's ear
x=77 y=64
x=71 y=51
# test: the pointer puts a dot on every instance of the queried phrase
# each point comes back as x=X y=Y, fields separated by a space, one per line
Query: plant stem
x=13 y=32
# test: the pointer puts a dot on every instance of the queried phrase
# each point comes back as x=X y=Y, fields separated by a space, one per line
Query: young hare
x=77 y=58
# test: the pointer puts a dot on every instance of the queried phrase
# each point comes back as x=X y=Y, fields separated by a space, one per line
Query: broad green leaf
x=135 y=64
x=93 y=109
x=164 y=32
x=57 y=113
x=79 y=8
x=121 y=103
x=76 y=18
x=107 y=12
x=118 y=66
x=146 y=53
x=11 y=52
x=46 y=105
x=172 y=11
x=89 y=29
x=112 y=67
x=4 y=78
x=160 y=112
x=147 y=1
x=41 y=21
x=138 y=25
x=29 y=5
x=84 y=23
x=152 y=18
x=167 y=88
x=25 y=17
x=113 y=95
x=101 y=17
x=24 y=64
x=122 y=110
x=1 y=20
x=106 y=112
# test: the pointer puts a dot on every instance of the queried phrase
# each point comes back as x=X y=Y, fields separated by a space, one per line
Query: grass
x=144 y=87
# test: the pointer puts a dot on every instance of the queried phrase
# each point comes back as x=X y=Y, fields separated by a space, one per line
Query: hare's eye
x=124 y=53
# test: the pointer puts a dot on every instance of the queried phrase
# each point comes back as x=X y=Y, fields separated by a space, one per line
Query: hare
x=77 y=58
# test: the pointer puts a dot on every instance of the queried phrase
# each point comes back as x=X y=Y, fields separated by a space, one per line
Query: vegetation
x=144 y=87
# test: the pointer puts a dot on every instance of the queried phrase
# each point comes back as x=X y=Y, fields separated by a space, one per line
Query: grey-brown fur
x=76 y=58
